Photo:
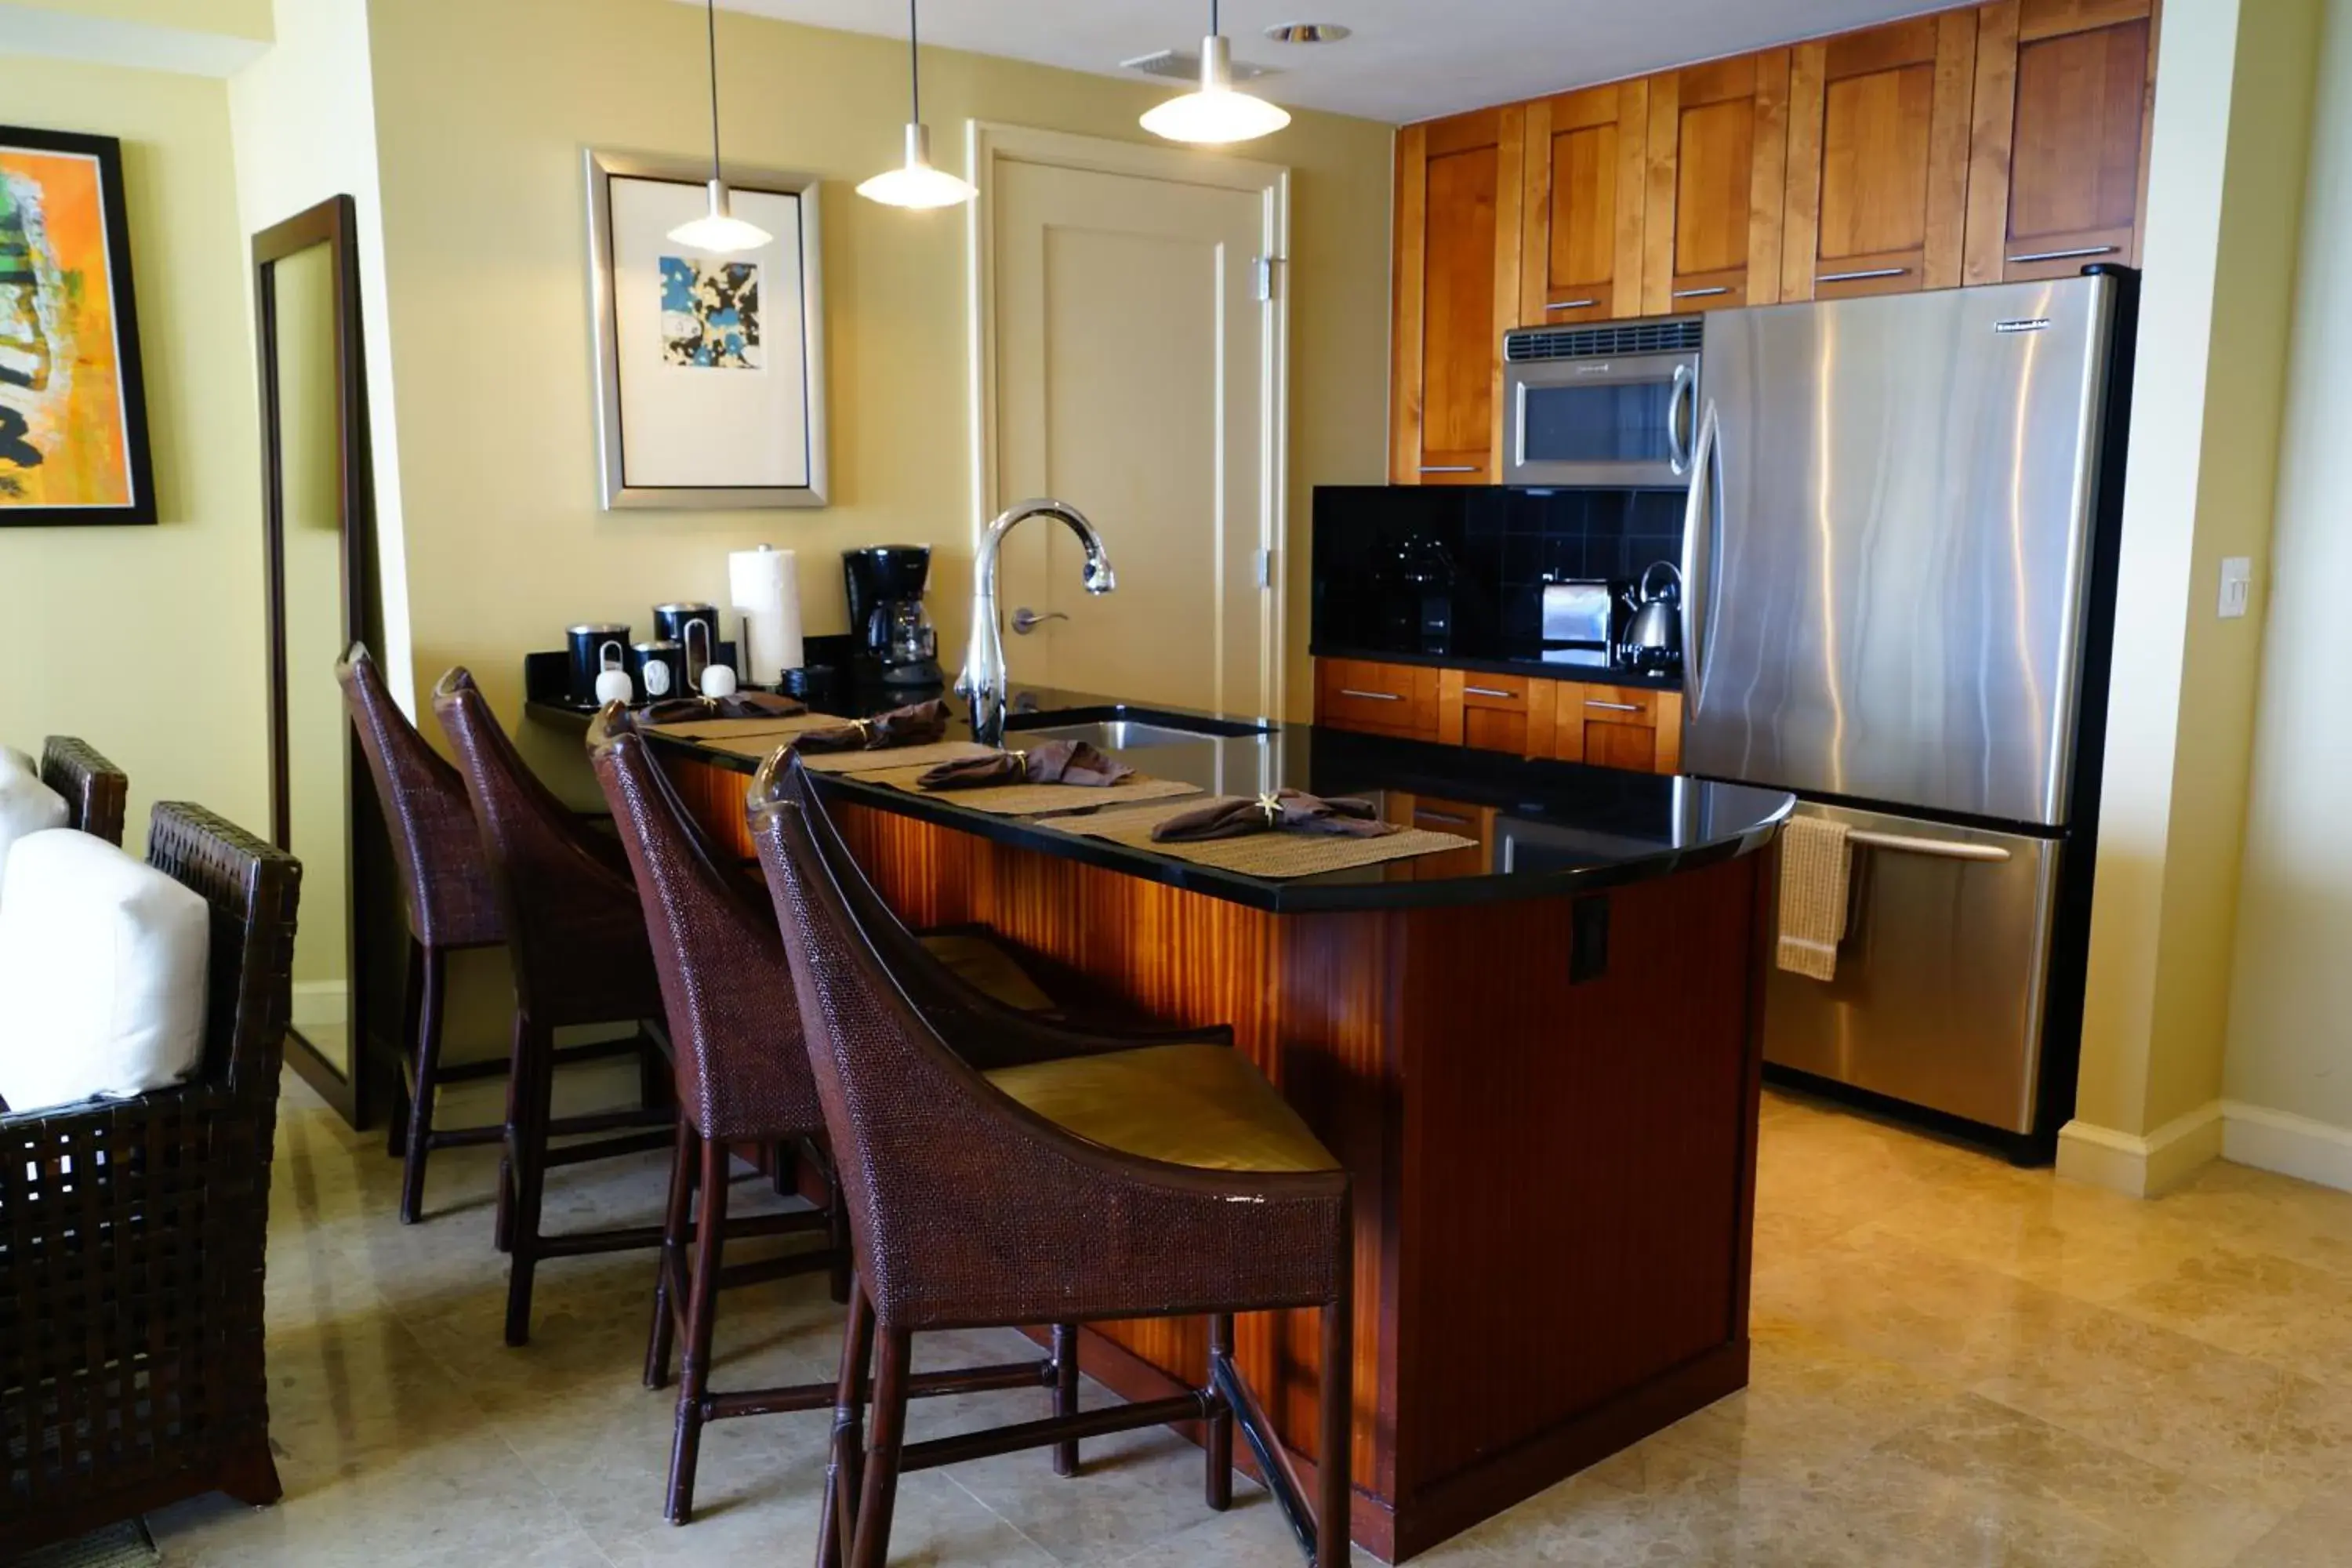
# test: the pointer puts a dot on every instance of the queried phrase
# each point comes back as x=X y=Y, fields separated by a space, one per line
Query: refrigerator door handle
x=1937 y=849
x=1701 y=519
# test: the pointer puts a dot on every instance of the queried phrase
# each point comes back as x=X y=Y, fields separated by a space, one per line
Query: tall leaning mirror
x=321 y=595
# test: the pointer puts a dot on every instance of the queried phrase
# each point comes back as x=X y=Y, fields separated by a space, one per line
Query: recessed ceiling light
x=1308 y=31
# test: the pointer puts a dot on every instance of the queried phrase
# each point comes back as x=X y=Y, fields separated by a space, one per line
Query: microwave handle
x=1702 y=540
x=1682 y=407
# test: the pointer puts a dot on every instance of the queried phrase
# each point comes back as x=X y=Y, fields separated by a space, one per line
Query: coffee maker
x=895 y=641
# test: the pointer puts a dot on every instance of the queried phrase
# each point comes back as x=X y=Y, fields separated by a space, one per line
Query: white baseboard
x=2141 y=1166
x=321 y=1003
x=2290 y=1144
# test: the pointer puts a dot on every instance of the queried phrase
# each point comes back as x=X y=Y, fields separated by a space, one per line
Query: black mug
x=594 y=648
x=659 y=669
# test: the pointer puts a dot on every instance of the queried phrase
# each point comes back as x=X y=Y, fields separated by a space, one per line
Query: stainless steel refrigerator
x=1899 y=556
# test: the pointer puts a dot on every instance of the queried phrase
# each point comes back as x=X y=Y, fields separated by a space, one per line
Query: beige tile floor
x=1956 y=1362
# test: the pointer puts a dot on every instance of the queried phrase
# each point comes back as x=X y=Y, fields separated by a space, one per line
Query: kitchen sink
x=1121 y=728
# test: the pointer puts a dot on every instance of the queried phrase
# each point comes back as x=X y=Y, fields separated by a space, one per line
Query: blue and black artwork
x=710 y=313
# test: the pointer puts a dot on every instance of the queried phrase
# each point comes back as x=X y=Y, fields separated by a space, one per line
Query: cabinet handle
x=1865 y=272
x=1571 y=304
x=1718 y=288
x=1615 y=707
x=1490 y=691
x=1451 y=469
x=2063 y=255
x=1446 y=817
x=1370 y=696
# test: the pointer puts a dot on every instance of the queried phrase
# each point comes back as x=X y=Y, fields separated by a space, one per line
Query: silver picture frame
x=603 y=166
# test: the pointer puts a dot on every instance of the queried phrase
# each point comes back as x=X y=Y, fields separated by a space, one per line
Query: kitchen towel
x=1047 y=762
x=1285 y=811
x=763 y=587
x=1816 y=869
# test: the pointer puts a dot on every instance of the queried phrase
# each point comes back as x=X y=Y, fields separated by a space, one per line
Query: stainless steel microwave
x=1612 y=405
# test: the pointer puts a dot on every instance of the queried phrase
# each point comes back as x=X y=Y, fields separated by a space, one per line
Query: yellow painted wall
x=484 y=215
x=2224 y=199
x=2290 y=1009
x=147 y=641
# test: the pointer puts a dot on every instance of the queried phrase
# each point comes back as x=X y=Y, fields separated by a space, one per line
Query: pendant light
x=917 y=184
x=1215 y=115
x=719 y=231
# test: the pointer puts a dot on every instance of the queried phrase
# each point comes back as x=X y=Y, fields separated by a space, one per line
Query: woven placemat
x=1260 y=854
x=712 y=731
x=895 y=757
x=1038 y=799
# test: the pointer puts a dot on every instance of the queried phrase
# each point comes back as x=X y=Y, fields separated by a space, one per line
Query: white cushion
x=102 y=973
x=26 y=805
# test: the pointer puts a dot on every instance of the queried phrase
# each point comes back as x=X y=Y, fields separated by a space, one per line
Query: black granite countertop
x=1532 y=664
x=1545 y=830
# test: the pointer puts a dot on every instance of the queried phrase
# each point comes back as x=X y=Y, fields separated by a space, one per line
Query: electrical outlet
x=2237 y=585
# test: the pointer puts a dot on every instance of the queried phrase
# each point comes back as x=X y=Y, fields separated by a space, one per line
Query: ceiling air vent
x=1594 y=342
x=1184 y=65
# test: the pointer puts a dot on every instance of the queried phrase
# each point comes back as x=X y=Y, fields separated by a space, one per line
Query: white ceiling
x=1408 y=61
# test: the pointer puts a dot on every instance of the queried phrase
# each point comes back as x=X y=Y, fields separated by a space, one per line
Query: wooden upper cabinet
x=1878 y=158
x=1457 y=284
x=2058 y=174
x=1718 y=152
x=1580 y=259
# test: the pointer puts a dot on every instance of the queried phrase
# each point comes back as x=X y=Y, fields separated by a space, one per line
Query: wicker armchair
x=132 y=1236
x=1027 y=1194
x=94 y=788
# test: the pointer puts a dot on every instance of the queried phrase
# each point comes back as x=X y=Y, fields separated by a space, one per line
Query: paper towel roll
x=763 y=585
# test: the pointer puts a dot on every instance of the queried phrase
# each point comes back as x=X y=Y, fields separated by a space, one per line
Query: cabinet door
x=1581 y=257
x=1878 y=158
x=1457 y=284
x=2064 y=96
x=1638 y=729
x=1383 y=699
x=1487 y=712
x=1718 y=165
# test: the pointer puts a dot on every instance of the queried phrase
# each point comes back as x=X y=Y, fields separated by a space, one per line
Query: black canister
x=679 y=623
x=659 y=669
x=594 y=647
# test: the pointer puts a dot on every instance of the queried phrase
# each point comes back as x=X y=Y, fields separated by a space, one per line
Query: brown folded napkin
x=1047 y=762
x=742 y=705
x=1287 y=811
x=917 y=725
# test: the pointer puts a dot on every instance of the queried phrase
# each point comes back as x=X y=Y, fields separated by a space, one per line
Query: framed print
x=73 y=406
x=710 y=367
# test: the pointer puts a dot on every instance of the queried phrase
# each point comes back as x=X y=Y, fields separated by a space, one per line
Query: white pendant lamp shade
x=916 y=183
x=1216 y=114
x=719 y=231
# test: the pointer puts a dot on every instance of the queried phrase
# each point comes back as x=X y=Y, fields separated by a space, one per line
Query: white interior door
x=1136 y=373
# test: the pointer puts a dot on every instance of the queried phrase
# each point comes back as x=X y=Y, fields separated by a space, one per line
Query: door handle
x=2076 y=254
x=1711 y=294
x=1702 y=519
x=1495 y=691
x=1934 y=848
x=1451 y=469
x=1370 y=696
x=1866 y=272
x=1571 y=304
x=1421 y=813
x=1026 y=620
x=1613 y=707
x=1679 y=405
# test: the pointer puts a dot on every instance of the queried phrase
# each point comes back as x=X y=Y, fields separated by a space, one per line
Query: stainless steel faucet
x=982 y=682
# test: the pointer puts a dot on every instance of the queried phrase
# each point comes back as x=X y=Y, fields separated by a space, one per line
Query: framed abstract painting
x=73 y=406
x=710 y=367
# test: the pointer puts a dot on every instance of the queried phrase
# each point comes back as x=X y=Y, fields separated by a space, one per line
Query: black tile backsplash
x=1461 y=568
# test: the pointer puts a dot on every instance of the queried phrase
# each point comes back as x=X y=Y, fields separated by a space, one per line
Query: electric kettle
x=1653 y=638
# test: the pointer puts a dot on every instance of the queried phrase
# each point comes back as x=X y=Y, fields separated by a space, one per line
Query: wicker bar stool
x=1169 y=1179
x=94 y=788
x=743 y=1078
x=576 y=937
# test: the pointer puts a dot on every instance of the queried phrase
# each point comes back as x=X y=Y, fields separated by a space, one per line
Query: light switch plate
x=2237 y=585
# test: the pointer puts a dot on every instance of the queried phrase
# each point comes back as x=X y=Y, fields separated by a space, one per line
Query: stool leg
x=677 y=1223
x=502 y=1229
x=431 y=997
x=1220 y=1443
x=1334 y=1454
x=1066 y=1393
x=701 y=1315
x=528 y=1139
x=880 y=1493
x=837 y=1228
x=395 y=1140
x=838 y=1515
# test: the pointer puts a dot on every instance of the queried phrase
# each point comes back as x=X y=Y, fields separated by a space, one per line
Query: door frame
x=989 y=145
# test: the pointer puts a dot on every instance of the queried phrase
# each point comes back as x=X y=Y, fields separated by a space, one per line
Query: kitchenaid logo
x=2022 y=324
x=1603 y=368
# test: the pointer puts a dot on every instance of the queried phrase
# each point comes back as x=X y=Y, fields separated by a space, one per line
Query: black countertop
x=1559 y=828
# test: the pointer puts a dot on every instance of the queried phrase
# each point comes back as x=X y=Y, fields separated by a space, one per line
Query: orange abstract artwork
x=70 y=434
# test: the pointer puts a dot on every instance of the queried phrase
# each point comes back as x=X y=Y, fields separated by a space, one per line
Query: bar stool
x=576 y=937
x=1124 y=1183
x=95 y=789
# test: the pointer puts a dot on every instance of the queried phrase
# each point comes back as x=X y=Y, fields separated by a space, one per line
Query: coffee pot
x=1653 y=637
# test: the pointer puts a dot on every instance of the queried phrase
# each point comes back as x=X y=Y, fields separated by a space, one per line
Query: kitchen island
x=1537 y=1052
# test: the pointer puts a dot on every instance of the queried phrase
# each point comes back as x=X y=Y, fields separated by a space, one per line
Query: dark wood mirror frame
x=355 y=1093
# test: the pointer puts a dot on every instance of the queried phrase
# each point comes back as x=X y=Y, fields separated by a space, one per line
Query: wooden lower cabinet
x=1638 y=728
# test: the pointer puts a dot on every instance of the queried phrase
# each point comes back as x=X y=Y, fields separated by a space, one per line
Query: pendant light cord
x=914 y=70
x=710 y=12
